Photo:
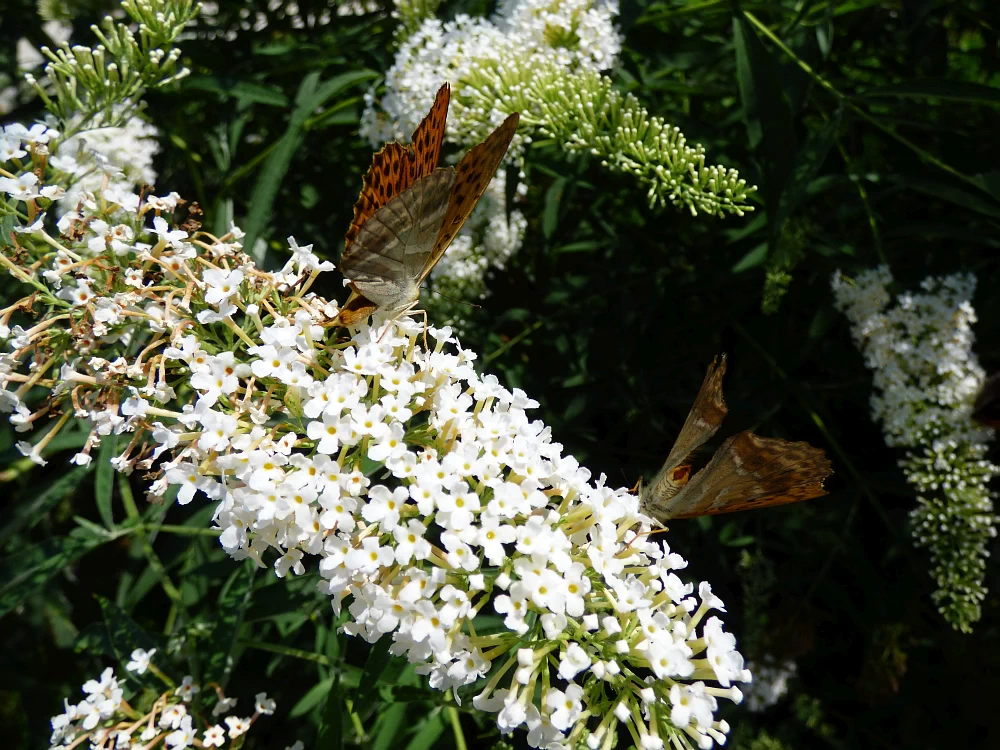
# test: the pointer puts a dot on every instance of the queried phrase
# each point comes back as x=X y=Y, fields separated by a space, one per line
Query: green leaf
x=927 y=231
x=553 y=196
x=331 y=731
x=949 y=192
x=309 y=97
x=104 y=481
x=312 y=698
x=387 y=726
x=752 y=259
x=378 y=660
x=766 y=112
x=234 y=600
x=29 y=512
x=807 y=164
x=428 y=735
x=27 y=571
x=951 y=89
x=245 y=92
x=124 y=636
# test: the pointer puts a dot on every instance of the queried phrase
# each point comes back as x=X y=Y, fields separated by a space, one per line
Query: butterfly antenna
x=453 y=299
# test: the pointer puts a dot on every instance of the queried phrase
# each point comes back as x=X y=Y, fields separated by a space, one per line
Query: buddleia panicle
x=919 y=345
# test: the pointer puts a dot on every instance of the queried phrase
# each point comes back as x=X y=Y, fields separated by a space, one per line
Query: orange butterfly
x=748 y=471
x=409 y=213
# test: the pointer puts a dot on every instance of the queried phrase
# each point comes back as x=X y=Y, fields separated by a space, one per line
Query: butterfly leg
x=400 y=314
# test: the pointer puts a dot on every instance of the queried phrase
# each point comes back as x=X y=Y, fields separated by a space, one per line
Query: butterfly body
x=410 y=211
x=748 y=471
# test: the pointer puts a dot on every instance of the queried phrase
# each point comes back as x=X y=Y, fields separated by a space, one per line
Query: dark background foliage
x=885 y=153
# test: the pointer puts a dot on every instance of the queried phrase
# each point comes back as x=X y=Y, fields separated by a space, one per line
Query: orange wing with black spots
x=428 y=137
x=396 y=167
x=472 y=175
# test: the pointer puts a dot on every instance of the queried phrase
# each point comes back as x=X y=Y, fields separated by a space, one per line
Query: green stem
x=860 y=185
x=147 y=548
x=456 y=726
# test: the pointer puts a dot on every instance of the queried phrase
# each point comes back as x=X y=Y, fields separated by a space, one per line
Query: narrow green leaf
x=428 y=735
x=951 y=89
x=295 y=653
x=27 y=571
x=245 y=92
x=553 y=197
x=949 y=192
x=378 y=660
x=234 y=600
x=584 y=246
x=312 y=698
x=104 y=481
x=387 y=726
x=935 y=231
x=331 y=731
x=766 y=112
x=27 y=513
x=338 y=83
x=807 y=164
x=125 y=635
x=309 y=97
x=752 y=259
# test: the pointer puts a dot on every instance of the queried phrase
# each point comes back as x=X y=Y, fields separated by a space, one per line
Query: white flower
x=187 y=689
x=221 y=285
x=264 y=705
x=21 y=187
x=214 y=736
x=140 y=660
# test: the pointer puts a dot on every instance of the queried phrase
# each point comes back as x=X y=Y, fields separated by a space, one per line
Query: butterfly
x=410 y=211
x=747 y=471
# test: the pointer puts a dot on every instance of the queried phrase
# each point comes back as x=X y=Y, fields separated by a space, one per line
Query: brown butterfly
x=748 y=471
x=409 y=212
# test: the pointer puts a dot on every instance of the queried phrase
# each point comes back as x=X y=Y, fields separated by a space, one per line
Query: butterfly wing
x=396 y=167
x=398 y=238
x=429 y=136
x=472 y=175
x=702 y=422
x=750 y=471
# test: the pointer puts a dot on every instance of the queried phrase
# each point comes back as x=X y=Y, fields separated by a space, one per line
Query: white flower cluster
x=423 y=492
x=89 y=155
x=926 y=380
x=574 y=34
x=577 y=34
x=104 y=719
x=770 y=684
x=285 y=11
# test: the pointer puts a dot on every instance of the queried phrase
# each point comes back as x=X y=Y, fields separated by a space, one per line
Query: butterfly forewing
x=750 y=471
x=702 y=422
x=396 y=167
x=473 y=174
x=385 y=259
x=429 y=135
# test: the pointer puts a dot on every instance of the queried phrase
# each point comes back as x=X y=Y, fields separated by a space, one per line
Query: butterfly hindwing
x=750 y=471
x=473 y=174
x=384 y=260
